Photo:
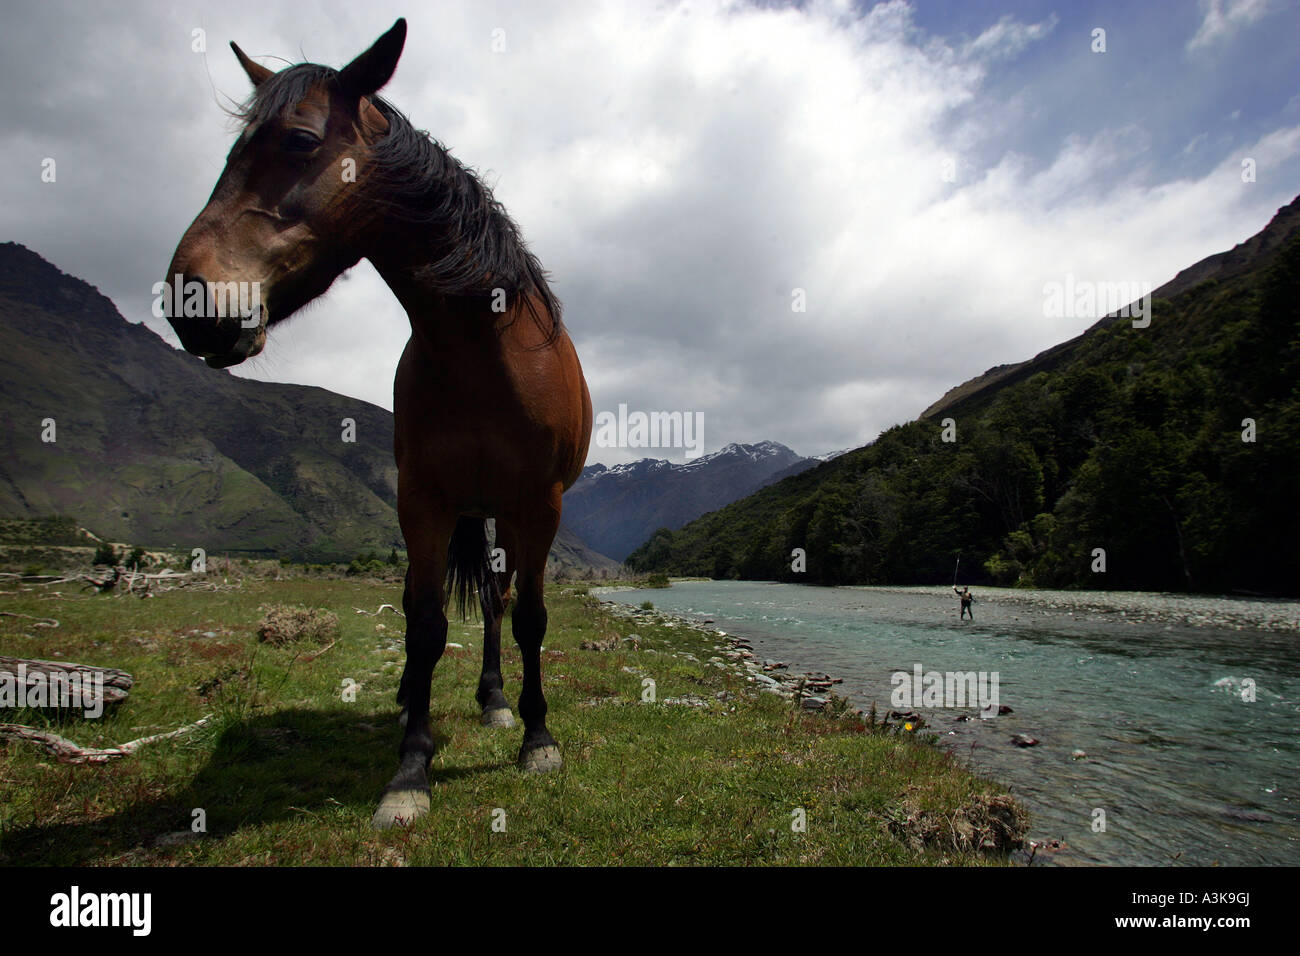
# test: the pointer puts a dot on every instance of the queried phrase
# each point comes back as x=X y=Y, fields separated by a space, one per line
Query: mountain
x=616 y=509
x=804 y=464
x=1163 y=458
x=152 y=447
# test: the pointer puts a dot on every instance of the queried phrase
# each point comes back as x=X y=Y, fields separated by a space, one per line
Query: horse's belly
x=482 y=440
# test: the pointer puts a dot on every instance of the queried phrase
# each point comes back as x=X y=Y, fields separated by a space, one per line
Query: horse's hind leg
x=407 y=795
x=539 y=751
x=490 y=695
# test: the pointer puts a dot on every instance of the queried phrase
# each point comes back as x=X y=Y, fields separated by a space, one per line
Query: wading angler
x=491 y=411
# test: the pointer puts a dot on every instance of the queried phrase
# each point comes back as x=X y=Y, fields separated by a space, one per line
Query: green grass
x=289 y=773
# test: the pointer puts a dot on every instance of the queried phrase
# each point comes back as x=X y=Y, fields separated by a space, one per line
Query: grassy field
x=288 y=772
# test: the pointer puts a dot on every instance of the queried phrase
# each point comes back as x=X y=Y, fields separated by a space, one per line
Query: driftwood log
x=116 y=684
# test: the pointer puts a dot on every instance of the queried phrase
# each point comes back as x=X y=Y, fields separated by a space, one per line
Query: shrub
x=105 y=554
x=284 y=624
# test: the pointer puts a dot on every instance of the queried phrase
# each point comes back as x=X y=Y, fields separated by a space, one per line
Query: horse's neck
x=454 y=328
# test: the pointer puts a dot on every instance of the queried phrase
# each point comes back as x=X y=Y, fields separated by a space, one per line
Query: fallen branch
x=103 y=585
x=69 y=752
x=40 y=621
x=27 y=584
x=379 y=610
x=311 y=657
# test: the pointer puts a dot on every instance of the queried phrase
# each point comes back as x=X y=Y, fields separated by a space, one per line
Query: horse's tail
x=469 y=564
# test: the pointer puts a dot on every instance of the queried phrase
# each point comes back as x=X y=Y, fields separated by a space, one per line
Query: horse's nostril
x=205 y=333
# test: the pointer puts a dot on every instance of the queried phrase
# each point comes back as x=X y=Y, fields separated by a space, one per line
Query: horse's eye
x=300 y=141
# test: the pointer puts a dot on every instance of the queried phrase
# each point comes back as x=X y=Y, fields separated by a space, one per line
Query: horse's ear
x=372 y=69
x=256 y=72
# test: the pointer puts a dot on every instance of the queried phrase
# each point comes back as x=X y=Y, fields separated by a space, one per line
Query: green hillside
x=1124 y=439
x=152 y=447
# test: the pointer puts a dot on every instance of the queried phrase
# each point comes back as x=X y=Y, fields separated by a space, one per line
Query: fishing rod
x=955 y=570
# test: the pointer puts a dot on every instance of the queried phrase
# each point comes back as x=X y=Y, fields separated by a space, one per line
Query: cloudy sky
x=920 y=170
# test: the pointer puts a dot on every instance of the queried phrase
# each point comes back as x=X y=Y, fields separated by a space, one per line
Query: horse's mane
x=423 y=184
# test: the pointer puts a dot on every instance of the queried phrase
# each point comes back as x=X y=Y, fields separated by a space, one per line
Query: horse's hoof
x=541 y=759
x=497 y=717
x=400 y=807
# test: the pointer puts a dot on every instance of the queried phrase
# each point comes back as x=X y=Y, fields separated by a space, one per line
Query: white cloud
x=1223 y=18
x=1008 y=37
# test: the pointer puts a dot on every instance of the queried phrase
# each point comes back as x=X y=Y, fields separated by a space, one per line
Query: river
x=1152 y=688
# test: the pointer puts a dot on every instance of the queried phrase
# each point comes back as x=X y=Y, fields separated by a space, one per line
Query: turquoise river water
x=1185 y=769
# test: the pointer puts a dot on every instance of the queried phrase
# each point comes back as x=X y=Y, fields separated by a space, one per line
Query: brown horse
x=492 y=414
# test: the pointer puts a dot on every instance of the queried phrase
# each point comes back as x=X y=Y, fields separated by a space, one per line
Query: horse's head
x=286 y=216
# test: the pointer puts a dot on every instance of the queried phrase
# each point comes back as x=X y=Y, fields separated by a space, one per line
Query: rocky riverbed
x=812 y=689
x=1125 y=607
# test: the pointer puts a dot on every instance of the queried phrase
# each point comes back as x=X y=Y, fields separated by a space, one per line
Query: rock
x=814 y=703
x=1249 y=816
x=686 y=702
x=600 y=701
x=175 y=838
x=1024 y=740
x=1077 y=755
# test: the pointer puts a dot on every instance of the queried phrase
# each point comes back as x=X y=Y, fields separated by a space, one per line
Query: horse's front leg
x=407 y=795
x=539 y=751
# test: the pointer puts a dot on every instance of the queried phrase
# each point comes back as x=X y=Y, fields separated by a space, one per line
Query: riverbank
x=1129 y=703
x=810 y=690
x=671 y=756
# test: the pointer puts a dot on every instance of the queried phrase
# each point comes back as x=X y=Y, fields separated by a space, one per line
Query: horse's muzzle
x=249 y=343
x=220 y=340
